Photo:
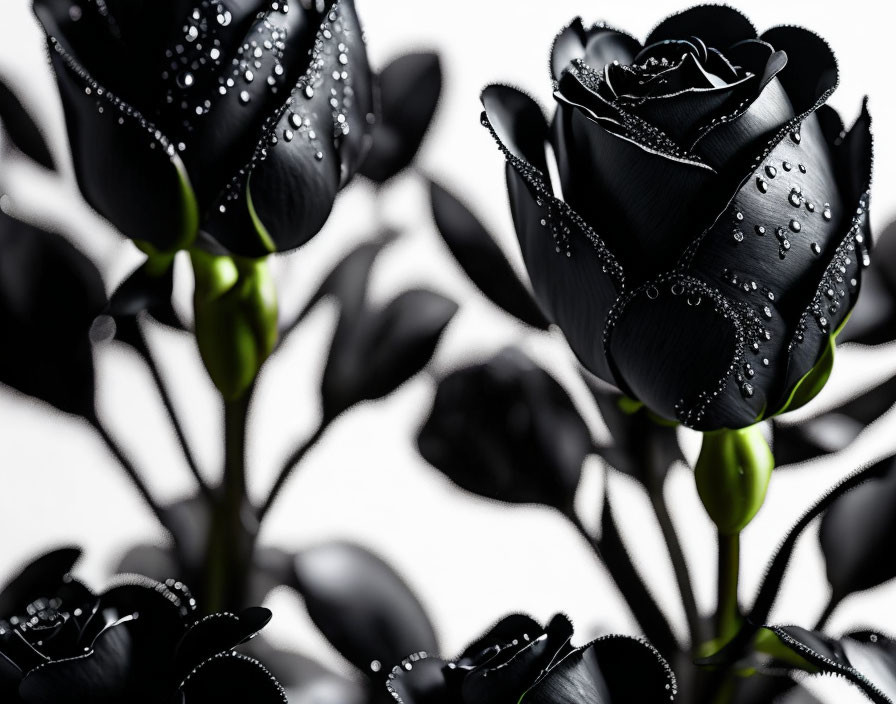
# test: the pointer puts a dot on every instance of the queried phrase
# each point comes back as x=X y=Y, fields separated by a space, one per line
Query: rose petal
x=718 y=26
x=811 y=74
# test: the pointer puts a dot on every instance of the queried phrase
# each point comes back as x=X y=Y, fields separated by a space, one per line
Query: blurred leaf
x=22 y=130
x=834 y=430
x=762 y=688
x=639 y=447
x=42 y=576
x=362 y=606
x=375 y=351
x=856 y=536
x=346 y=282
x=873 y=321
x=50 y=295
x=505 y=429
x=866 y=659
x=145 y=290
x=482 y=260
x=409 y=90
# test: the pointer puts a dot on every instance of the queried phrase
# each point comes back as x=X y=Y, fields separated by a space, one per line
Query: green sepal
x=732 y=475
x=235 y=307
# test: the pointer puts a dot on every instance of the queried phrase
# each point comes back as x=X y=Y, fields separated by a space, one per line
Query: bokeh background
x=469 y=560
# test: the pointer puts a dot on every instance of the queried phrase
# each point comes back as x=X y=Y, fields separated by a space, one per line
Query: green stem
x=728 y=617
x=728 y=614
x=234 y=525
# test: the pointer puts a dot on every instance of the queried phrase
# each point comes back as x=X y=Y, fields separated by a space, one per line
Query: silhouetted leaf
x=346 y=282
x=144 y=290
x=376 y=351
x=834 y=430
x=857 y=535
x=362 y=606
x=50 y=295
x=409 y=94
x=482 y=260
x=864 y=658
x=873 y=321
x=22 y=130
x=505 y=429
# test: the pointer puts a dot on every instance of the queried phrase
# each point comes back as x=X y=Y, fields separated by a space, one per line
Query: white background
x=470 y=561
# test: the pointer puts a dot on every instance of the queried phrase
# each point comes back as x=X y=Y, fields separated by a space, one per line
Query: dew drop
x=376 y=666
x=74 y=13
x=295 y=120
x=771 y=171
x=249 y=76
x=761 y=184
x=245 y=98
x=787 y=166
x=802 y=168
x=795 y=199
x=827 y=213
x=738 y=236
x=767 y=312
x=288 y=135
x=760 y=230
x=185 y=79
x=653 y=293
x=796 y=137
x=309 y=92
x=319 y=156
x=816 y=248
x=795 y=225
x=747 y=390
x=810 y=207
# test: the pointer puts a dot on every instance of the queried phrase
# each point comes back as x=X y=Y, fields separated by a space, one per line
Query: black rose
x=519 y=661
x=240 y=119
x=505 y=429
x=139 y=642
x=713 y=223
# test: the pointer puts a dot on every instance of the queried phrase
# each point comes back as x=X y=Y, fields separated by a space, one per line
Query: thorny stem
x=679 y=567
x=144 y=351
x=131 y=471
x=290 y=464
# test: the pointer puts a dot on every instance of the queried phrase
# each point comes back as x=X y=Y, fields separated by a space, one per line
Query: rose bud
x=519 y=660
x=140 y=642
x=713 y=224
x=240 y=119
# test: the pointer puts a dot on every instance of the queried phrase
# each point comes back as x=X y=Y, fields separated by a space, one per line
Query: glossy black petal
x=865 y=658
x=611 y=670
x=117 y=151
x=362 y=606
x=376 y=352
x=218 y=633
x=505 y=429
x=811 y=74
x=101 y=674
x=409 y=90
x=50 y=294
x=577 y=290
x=719 y=26
x=476 y=251
x=420 y=679
x=232 y=677
x=598 y=46
x=41 y=577
x=647 y=201
x=22 y=130
x=305 y=152
x=856 y=538
x=639 y=446
x=673 y=346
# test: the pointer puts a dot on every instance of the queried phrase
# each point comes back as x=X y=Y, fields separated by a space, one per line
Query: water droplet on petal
x=245 y=98
x=771 y=171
